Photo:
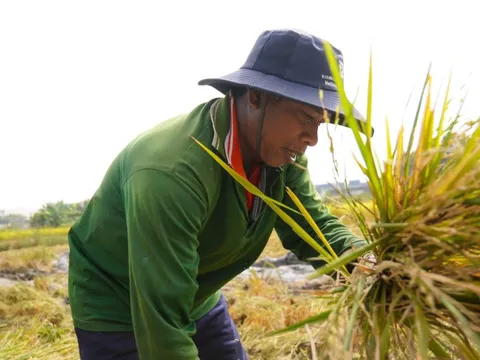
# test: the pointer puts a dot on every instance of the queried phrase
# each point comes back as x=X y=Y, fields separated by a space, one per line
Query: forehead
x=301 y=107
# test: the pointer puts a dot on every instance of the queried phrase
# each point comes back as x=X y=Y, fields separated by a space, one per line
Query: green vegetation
x=423 y=297
x=50 y=215
x=57 y=214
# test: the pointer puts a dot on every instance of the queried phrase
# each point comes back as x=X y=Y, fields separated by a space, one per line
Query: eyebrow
x=312 y=113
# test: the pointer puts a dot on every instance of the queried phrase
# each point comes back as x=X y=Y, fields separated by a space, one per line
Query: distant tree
x=57 y=214
x=75 y=210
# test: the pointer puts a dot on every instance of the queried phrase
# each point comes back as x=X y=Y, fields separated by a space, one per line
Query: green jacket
x=168 y=227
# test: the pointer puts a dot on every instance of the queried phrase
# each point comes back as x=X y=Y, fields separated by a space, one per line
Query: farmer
x=168 y=227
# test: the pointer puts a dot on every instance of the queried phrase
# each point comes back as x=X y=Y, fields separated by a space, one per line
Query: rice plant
x=422 y=298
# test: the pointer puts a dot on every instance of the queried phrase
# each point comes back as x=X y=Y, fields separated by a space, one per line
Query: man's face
x=288 y=128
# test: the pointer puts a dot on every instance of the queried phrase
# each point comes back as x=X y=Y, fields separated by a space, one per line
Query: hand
x=365 y=266
x=368 y=259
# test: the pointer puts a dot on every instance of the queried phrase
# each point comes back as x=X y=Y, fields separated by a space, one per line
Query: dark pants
x=216 y=339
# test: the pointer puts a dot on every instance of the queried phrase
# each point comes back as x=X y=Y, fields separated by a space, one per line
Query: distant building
x=355 y=187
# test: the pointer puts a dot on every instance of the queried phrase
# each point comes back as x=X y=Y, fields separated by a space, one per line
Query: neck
x=249 y=154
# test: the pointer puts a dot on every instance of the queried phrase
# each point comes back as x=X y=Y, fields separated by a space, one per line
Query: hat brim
x=294 y=91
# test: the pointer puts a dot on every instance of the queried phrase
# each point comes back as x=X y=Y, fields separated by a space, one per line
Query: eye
x=308 y=120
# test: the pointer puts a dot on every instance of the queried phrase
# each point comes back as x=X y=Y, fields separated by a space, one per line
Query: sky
x=78 y=80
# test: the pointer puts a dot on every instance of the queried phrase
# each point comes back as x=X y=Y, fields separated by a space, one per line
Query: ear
x=254 y=98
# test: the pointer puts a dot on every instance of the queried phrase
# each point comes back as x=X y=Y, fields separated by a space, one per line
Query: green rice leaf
x=245 y=183
x=437 y=349
x=475 y=336
x=311 y=222
x=365 y=149
x=415 y=176
x=423 y=331
x=388 y=179
x=440 y=133
x=370 y=98
x=323 y=316
x=385 y=339
x=460 y=345
x=353 y=316
x=383 y=323
x=389 y=225
x=410 y=142
x=345 y=259
x=399 y=187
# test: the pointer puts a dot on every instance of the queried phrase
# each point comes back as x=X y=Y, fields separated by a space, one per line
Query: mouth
x=292 y=154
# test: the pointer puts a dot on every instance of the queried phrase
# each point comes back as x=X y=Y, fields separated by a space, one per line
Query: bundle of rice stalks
x=424 y=295
x=422 y=298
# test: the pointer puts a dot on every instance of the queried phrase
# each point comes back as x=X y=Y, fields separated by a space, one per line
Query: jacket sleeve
x=336 y=233
x=164 y=216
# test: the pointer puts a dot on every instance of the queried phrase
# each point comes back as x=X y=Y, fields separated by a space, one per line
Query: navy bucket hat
x=293 y=65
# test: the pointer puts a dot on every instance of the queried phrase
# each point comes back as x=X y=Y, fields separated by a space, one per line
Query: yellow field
x=12 y=235
x=18 y=239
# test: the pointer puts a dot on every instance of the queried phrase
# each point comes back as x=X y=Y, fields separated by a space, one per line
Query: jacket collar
x=220 y=117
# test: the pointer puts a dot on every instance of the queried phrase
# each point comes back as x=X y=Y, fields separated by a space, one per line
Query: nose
x=310 y=137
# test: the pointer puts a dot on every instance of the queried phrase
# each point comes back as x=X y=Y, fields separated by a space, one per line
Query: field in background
x=35 y=320
x=17 y=239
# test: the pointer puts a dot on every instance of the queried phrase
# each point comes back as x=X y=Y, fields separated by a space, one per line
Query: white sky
x=78 y=80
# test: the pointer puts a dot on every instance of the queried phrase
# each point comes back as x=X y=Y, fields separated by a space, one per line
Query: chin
x=275 y=162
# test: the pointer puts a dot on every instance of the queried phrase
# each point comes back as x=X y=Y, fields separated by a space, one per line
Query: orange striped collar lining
x=233 y=152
